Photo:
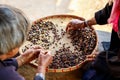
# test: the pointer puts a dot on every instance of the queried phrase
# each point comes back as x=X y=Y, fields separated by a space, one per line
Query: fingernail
x=49 y=52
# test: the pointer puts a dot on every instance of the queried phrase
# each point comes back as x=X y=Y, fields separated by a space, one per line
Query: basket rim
x=58 y=15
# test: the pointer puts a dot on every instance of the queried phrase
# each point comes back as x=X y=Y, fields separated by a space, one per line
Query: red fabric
x=115 y=14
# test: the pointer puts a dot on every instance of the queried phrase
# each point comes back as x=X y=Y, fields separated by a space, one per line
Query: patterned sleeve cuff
x=39 y=76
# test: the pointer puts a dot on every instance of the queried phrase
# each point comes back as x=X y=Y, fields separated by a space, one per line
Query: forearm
x=41 y=69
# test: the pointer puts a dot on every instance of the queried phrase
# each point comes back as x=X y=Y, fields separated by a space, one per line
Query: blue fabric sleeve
x=8 y=70
x=38 y=78
x=10 y=62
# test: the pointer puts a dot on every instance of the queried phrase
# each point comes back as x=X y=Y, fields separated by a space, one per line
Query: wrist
x=20 y=61
x=41 y=69
x=86 y=24
x=90 y=22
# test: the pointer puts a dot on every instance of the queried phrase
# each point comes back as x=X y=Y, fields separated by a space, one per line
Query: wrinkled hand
x=29 y=55
x=44 y=59
x=75 y=24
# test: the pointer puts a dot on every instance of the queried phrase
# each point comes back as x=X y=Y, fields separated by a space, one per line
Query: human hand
x=44 y=59
x=29 y=55
x=75 y=24
x=91 y=57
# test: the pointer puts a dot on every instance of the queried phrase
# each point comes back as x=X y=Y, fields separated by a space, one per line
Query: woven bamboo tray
x=61 y=20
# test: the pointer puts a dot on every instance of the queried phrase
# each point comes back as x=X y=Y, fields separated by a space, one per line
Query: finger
x=32 y=52
x=36 y=47
x=90 y=56
x=50 y=56
x=40 y=55
x=90 y=59
x=49 y=53
x=43 y=52
x=96 y=52
x=93 y=55
x=37 y=51
x=29 y=51
x=68 y=26
x=70 y=29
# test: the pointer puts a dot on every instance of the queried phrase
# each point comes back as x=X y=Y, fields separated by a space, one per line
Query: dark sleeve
x=11 y=62
x=103 y=15
x=100 y=63
x=8 y=70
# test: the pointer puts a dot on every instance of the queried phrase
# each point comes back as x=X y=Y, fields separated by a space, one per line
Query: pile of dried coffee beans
x=47 y=34
x=39 y=34
x=83 y=40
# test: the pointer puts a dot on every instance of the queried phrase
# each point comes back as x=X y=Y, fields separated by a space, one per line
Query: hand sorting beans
x=46 y=34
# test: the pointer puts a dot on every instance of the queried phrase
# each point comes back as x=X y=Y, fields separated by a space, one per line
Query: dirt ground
x=36 y=9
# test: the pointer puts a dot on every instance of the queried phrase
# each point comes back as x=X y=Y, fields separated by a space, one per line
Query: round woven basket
x=57 y=19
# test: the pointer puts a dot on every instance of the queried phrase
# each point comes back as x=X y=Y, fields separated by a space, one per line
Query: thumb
x=41 y=54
